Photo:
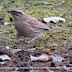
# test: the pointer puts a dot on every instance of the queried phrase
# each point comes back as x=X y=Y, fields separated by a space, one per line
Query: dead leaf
x=43 y=57
x=5 y=23
x=3 y=62
x=5 y=57
x=46 y=3
x=16 y=50
x=57 y=58
x=54 y=19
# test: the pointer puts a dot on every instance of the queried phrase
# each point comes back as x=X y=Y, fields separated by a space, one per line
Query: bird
x=29 y=26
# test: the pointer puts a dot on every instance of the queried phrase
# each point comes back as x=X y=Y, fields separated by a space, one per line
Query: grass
x=59 y=10
x=52 y=41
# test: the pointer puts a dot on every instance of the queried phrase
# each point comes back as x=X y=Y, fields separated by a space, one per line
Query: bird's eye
x=14 y=11
x=19 y=12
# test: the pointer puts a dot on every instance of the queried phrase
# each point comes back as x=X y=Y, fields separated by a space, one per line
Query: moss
x=63 y=10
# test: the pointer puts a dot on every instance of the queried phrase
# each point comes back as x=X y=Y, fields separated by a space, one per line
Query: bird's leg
x=32 y=40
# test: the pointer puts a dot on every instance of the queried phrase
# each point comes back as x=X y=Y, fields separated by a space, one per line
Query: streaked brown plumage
x=28 y=26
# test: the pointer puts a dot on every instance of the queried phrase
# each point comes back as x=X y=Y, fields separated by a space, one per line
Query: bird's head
x=17 y=13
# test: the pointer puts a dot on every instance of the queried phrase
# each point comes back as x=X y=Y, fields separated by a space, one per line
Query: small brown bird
x=28 y=26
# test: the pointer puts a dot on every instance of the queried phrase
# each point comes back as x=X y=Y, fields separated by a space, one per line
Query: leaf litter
x=21 y=56
x=54 y=20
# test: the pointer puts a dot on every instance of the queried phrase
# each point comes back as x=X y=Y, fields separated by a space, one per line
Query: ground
x=55 y=42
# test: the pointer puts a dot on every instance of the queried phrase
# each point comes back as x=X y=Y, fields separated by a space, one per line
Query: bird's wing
x=37 y=24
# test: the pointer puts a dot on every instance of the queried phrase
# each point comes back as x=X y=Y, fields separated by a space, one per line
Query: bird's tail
x=57 y=28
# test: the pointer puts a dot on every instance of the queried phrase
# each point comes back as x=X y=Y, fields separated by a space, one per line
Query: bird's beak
x=8 y=11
